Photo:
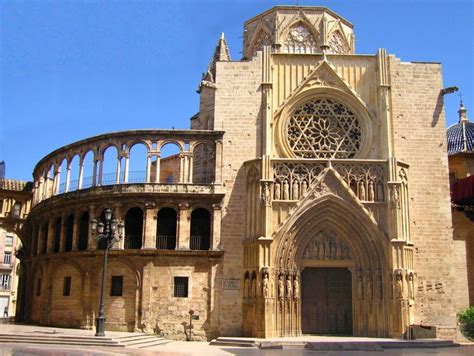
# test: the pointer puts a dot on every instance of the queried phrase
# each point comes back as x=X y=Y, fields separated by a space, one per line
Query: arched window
x=170 y=163
x=69 y=232
x=134 y=228
x=166 y=229
x=57 y=235
x=200 y=230
x=44 y=238
x=83 y=232
x=323 y=128
x=263 y=39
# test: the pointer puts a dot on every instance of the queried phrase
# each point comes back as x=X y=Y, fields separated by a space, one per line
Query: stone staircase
x=342 y=344
x=132 y=340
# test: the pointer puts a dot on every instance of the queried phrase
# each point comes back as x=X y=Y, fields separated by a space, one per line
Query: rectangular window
x=38 y=287
x=67 y=286
x=117 y=286
x=181 y=287
x=7 y=258
x=5 y=282
x=9 y=240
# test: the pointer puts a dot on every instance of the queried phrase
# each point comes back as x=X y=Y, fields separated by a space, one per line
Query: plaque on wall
x=231 y=284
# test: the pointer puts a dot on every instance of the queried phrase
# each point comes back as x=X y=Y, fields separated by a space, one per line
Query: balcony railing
x=199 y=243
x=133 y=241
x=164 y=242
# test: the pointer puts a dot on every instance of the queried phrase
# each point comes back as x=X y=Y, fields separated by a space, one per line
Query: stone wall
x=419 y=139
x=237 y=112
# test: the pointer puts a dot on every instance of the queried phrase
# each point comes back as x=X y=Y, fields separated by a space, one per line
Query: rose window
x=323 y=128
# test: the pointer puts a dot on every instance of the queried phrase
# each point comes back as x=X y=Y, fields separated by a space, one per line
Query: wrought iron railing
x=200 y=242
x=164 y=242
x=133 y=241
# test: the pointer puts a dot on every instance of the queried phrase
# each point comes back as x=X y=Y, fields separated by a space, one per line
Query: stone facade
x=302 y=201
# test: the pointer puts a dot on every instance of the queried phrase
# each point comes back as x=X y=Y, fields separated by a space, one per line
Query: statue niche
x=326 y=246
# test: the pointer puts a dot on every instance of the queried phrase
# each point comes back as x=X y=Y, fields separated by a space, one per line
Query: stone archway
x=330 y=229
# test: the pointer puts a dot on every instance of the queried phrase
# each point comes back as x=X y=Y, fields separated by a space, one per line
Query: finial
x=462 y=111
x=222 y=36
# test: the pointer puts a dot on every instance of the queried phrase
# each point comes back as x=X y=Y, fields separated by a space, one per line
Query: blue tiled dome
x=460 y=136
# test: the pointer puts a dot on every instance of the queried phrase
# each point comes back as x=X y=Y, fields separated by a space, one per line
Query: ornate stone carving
x=265 y=286
x=263 y=39
x=281 y=287
x=323 y=128
x=399 y=283
x=296 y=288
x=326 y=246
x=289 y=287
x=337 y=44
x=266 y=195
x=300 y=40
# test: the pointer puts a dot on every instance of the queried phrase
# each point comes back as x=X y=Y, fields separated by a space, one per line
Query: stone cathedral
x=309 y=196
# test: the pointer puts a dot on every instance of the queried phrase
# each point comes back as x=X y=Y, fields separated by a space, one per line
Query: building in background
x=460 y=138
x=15 y=201
x=302 y=200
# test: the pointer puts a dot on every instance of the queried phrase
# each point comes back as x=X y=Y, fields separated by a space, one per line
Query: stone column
x=62 y=234
x=68 y=177
x=157 y=169
x=94 y=173
x=148 y=168
x=117 y=173
x=184 y=227
x=81 y=173
x=127 y=158
x=51 y=231
x=75 y=230
x=216 y=226
x=101 y=170
x=150 y=226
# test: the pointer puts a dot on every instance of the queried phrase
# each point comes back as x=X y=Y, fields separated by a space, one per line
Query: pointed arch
x=337 y=43
x=262 y=38
x=301 y=37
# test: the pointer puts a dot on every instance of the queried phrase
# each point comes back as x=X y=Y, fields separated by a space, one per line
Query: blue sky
x=74 y=69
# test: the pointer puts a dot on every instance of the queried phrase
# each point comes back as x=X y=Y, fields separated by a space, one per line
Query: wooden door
x=326 y=301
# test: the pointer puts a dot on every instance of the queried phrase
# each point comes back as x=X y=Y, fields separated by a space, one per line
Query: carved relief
x=289 y=287
x=265 y=286
x=326 y=246
x=296 y=288
x=281 y=287
x=266 y=195
x=399 y=283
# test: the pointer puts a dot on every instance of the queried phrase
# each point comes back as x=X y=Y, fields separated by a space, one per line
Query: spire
x=221 y=54
x=462 y=114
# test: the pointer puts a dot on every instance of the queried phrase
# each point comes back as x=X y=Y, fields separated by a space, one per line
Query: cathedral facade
x=310 y=196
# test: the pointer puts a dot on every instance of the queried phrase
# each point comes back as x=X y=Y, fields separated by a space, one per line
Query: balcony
x=164 y=242
x=190 y=166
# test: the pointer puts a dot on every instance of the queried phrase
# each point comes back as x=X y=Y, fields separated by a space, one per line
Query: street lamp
x=108 y=231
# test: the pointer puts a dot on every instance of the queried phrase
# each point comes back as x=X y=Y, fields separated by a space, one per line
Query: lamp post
x=109 y=231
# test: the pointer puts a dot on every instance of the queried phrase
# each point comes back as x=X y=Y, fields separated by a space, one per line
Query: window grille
x=181 y=287
x=9 y=240
x=7 y=258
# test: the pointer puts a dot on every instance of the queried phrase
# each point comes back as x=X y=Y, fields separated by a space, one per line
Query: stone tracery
x=300 y=40
x=323 y=128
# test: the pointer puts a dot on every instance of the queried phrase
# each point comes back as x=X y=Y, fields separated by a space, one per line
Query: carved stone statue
x=304 y=187
x=295 y=190
x=289 y=287
x=411 y=286
x=281 y=287
x=265 y=289
x=266 y=197
x=286 y=190
x=399 y=284
x=296 y=288
x=277 y=191
x=362 y=191
x=371 y=191
x=360 y=287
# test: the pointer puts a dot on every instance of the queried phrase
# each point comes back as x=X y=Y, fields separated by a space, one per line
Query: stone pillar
x=157 y=169
x=51 y=231
x=150 y=226
x=184 y=227
x=218 y=163
x=91 y=240
x=117 y=173
x=81 y=173
x=94 y=173
x=75 y=230
x=127 y=158
x=56 y=181
x=101 y=170
x=68 y=177
x=62 y=234
x=148 y=168
x=216 y=226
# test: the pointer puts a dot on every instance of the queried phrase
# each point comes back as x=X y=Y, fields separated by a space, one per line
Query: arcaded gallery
x=296 y=203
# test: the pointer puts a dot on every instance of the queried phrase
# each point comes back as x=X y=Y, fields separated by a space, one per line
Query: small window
x=38 y=287
x=181 y=287
x=67 y=286
x=7 y=258
x=117 y=286
x=5 y=282
x=16 y=210
x=9 y=240
x=169 y=179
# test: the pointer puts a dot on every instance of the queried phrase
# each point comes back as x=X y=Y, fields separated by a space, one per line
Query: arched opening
x=200 y=230
x=87 y=171
x=83 y=232
x=109 y=166
x=57 y=236
x=170 y=163
x=133 y=228
x=166 y=229
x=203 y=164
x=62 y=177
x=69 y=232
x=137 y=163
x=73 y=175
